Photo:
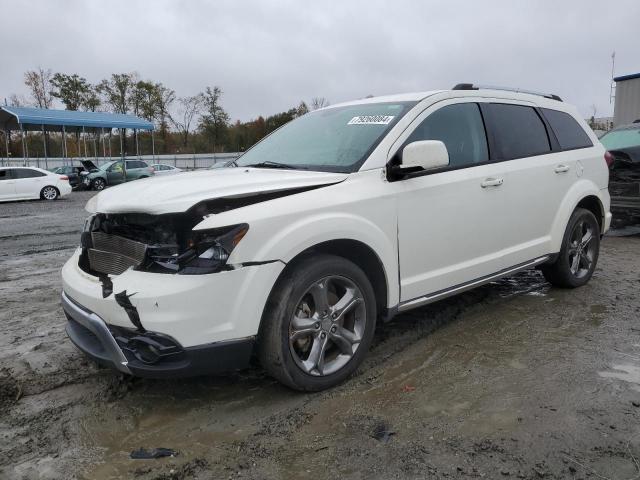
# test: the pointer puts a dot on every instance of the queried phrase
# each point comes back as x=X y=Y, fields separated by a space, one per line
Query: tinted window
x=136 y=164
x=460 y=128
x=26 y=173
x=5 y=174
x=519 y=131
x=569 y=133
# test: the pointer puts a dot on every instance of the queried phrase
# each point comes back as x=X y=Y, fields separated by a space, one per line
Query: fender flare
x=578 y=192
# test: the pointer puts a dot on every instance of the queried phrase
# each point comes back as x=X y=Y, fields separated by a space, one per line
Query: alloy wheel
x=582 y=249
x=49 y=193
x=327 y=325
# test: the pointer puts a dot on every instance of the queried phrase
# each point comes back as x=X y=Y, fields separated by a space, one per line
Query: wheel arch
x=584 y=194
x=360 y=254
x=47 y=186
x=594 y=205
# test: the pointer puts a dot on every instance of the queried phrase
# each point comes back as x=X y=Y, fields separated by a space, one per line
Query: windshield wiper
x=269 y=164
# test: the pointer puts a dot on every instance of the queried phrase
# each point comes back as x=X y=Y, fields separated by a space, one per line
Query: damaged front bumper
x=149 y=354
x=194 y=324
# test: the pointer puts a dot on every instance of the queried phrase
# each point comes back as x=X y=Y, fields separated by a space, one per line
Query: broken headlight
x=207 y=251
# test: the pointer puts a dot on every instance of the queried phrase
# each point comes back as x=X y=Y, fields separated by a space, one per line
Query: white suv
x=341 y=218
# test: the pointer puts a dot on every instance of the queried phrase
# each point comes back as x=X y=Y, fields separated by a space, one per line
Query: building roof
x=622 y=78
x=12 y=118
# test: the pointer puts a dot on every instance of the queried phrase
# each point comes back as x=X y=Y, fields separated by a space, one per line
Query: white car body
x=433 y=235
x=163 y=169
x=14 y=187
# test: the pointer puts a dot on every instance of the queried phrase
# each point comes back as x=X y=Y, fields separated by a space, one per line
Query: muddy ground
x=513 y=380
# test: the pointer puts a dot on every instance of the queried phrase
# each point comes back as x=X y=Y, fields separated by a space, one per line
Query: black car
x=623 y=144
x=73 y=173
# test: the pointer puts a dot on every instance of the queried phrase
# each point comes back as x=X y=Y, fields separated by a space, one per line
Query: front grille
x=113 y=254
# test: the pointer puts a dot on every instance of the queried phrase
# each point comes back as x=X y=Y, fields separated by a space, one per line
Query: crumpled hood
x=178 y=193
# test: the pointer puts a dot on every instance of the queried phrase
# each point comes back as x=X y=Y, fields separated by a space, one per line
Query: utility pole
x=612 y=93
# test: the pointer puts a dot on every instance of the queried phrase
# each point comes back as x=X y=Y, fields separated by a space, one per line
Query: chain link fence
x=183 y=161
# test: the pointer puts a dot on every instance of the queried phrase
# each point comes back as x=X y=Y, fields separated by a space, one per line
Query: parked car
x=623 y=143
x=162 y=169
x=113 y=173
x=342 y=218
x=31 y=183
x=73 y=173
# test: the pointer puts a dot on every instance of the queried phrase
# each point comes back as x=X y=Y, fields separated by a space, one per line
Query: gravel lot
x=513 y=380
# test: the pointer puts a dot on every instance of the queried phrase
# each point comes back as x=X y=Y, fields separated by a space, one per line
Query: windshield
x=106 y=166
x=335 y=139
x=618 y=139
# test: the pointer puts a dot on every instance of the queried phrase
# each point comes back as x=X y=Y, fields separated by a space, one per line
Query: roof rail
x=471 y=86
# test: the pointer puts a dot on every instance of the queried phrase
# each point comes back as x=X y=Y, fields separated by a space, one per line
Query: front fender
x=281 y=229
x=580 y=190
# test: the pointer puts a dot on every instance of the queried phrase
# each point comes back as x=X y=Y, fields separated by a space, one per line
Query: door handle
x=562 y=168
x=492 y=182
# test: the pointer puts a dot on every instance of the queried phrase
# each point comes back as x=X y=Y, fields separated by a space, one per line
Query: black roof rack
x=471 y=86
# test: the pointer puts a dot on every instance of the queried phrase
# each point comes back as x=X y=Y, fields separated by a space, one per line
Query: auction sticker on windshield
x=371 y=120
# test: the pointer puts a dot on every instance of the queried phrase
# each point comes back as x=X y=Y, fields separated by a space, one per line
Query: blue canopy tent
x=39 y=119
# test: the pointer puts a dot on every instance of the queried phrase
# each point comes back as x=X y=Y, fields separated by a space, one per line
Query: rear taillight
x=608 y=158
x=64 y=177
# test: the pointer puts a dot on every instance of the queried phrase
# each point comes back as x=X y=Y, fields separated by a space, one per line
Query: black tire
x=563 y=273
x=279 y=354
x=98 y=184
x=49 y=193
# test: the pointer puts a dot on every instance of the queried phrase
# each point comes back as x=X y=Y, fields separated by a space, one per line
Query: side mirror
x=424 y=155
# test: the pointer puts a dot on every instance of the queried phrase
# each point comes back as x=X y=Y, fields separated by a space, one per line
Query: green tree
x=74 y=92
x=215 y=120
x=117 y=91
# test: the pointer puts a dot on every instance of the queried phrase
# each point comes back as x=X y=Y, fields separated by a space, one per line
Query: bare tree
x=39 y=83
x=17 y=100
x=189 y=109
x=319 y=102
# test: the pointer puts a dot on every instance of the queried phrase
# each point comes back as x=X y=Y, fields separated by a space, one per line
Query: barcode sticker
x=371 y=120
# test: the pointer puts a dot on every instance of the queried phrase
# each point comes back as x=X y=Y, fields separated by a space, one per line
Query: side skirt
x=448 y=292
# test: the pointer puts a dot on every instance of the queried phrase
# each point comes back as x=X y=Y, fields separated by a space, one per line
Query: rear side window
x=518 y=130
x=136 y=164
x=27 y=173
x=461 y=129
x=5 y=174
x=569 y=133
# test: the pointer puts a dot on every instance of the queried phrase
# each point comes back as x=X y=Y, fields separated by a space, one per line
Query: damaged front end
x=113 y=243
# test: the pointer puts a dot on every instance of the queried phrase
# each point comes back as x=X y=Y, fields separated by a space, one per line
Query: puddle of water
x=626 y=372
x=203 y=423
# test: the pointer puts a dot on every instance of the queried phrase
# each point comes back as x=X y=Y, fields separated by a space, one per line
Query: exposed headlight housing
x=207 y=252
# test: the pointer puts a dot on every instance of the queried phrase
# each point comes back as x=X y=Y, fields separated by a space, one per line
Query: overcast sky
x=268 y=55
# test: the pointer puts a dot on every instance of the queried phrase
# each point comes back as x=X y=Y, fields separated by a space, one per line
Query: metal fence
x=183 y=161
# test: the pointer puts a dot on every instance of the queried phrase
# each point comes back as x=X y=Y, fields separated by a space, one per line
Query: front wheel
x=99 y=184
x=579 y=252
x=318 y=323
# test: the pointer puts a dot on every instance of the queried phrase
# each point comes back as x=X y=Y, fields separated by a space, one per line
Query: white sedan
x=163 y=169
x=27 y=183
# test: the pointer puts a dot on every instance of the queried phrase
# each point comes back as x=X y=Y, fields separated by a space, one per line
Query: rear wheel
x=579 y=253
x=49 y=193
x=98 y=184
x=318 y=323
